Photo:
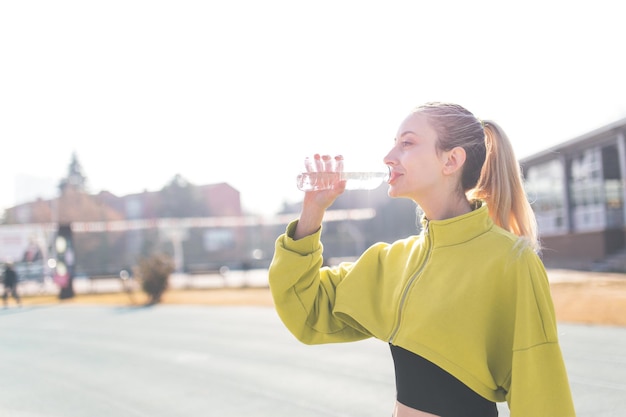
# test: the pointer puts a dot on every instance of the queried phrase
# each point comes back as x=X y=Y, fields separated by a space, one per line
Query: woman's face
x=414 y=163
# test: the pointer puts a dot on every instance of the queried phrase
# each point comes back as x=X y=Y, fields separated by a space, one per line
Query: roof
x=595 y=137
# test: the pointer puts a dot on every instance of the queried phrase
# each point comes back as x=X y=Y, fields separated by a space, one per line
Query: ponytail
x=500 y=186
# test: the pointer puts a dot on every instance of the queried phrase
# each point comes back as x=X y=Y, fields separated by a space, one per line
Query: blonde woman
x=465 y=305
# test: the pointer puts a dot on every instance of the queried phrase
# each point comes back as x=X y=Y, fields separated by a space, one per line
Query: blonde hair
x=491 y=172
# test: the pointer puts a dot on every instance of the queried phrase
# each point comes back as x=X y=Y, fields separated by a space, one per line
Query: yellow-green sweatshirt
x=464 y=294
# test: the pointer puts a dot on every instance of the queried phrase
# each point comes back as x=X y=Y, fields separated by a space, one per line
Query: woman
x=465 y=306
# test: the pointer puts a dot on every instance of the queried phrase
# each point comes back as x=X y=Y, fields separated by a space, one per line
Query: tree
x=153 y=273
x=75 y=179
x=180 y=199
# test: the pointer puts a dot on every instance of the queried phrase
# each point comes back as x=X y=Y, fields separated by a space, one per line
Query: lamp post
x=65 y=260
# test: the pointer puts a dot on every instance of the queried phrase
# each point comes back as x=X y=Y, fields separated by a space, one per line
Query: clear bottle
x=363 y=180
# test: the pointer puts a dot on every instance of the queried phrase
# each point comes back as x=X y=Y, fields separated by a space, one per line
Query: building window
x=613 y=187
x=587 y=190
x=545 y=190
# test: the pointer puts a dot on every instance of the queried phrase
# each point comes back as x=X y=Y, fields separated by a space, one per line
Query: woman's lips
x=393 y=176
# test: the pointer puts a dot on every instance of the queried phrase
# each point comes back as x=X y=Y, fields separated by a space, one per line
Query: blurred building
x=577 y=191
x=111 y=232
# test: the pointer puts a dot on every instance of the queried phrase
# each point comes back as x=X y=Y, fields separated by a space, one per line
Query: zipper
x=410 y=283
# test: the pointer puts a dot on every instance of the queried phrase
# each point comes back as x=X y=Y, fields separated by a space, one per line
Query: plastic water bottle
x=364 y=180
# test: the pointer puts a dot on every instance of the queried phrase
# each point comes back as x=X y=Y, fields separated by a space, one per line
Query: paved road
x=178 y=361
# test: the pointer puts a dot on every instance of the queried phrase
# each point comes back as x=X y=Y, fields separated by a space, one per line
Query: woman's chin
x=393 y=192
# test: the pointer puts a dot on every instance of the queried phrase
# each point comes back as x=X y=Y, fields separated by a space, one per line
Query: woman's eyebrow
x=406 y=132
x=401 y=135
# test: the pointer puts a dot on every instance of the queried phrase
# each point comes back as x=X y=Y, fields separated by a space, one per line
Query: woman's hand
x=330 y=180
x=316 y=202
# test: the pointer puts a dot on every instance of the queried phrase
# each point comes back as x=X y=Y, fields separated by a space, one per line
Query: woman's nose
x=389 y=159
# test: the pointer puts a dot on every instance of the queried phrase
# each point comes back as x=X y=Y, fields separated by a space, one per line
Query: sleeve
x=304 y=292
x=538 y=385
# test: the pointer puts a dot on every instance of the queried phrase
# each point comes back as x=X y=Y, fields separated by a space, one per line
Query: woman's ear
x=455 y=158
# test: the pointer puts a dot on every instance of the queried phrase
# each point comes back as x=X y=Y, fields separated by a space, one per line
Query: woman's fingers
x=323 y=163
x=328 y=163
x=339 y=163
x=319 y=165
x=308 y=164
x=327 y=166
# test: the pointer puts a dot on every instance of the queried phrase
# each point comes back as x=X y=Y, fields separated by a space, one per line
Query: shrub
x=153 y=273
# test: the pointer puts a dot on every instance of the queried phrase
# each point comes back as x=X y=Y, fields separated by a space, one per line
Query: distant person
x=465 y=305
x=10 y=285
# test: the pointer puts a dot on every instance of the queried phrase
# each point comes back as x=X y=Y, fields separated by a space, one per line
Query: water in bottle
x=364 y=180
x=322 y=172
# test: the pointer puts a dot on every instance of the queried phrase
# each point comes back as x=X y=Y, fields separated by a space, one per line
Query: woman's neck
x=446 y=209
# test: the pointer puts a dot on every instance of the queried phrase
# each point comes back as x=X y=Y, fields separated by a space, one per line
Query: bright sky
x=241 y=91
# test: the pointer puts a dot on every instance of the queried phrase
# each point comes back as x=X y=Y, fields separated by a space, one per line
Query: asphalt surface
x=73 y=360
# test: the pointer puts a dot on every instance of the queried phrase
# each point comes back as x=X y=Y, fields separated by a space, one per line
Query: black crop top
x=422 y=385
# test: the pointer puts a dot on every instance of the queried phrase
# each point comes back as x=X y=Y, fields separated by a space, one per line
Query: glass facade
x=586 y=190
x=545 y=187
x=595 y=191
x=613 y=187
